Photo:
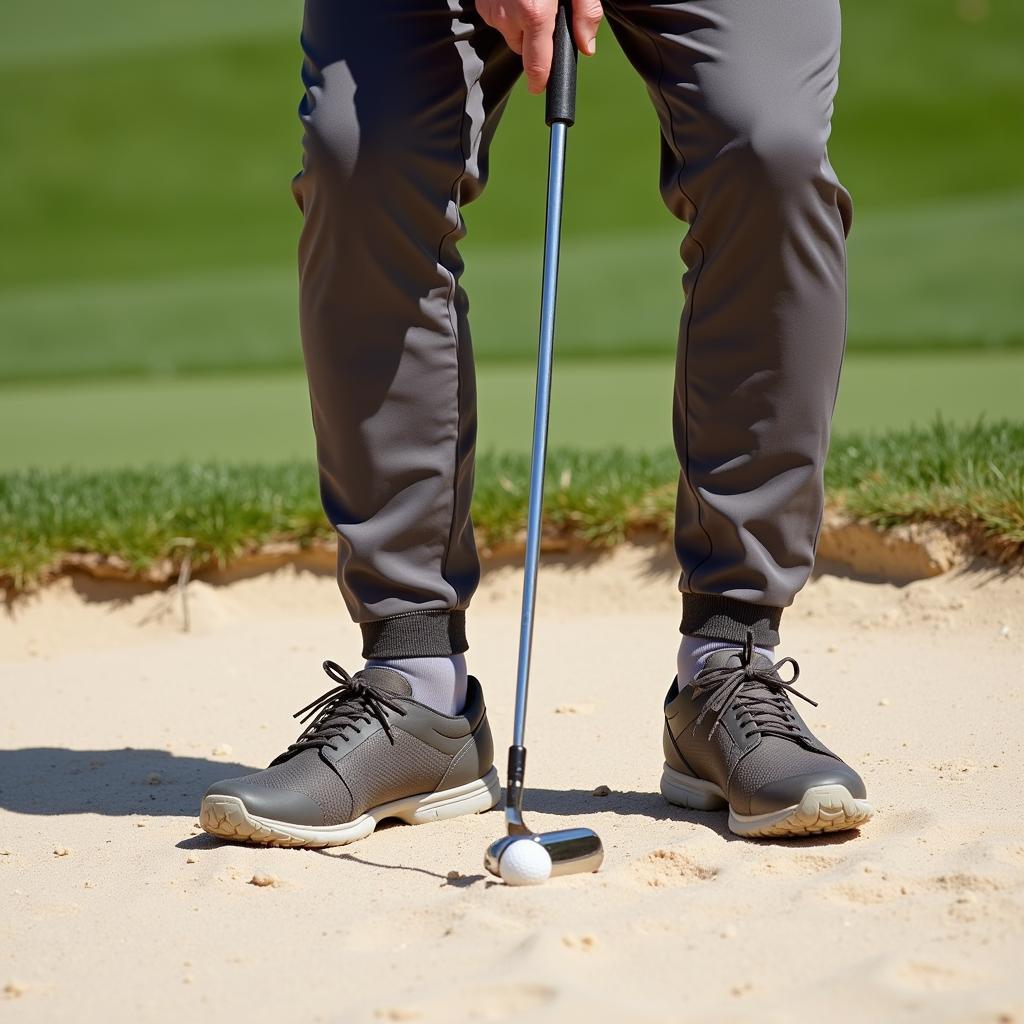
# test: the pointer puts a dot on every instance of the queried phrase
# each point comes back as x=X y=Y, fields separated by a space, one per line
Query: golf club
x=522 y=856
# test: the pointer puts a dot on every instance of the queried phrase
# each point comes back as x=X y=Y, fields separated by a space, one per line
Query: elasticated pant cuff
x=435 y=633
x=724 y=618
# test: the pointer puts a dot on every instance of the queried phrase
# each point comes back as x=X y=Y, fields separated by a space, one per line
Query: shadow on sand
x=54 y=780
x=581 y=803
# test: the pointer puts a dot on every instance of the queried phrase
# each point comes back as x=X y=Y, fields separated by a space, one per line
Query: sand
x=116 y=906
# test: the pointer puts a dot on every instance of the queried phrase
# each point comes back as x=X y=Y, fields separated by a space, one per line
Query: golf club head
x=572 y=850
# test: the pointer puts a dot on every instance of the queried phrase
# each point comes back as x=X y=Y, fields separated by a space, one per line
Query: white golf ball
x=525 y=862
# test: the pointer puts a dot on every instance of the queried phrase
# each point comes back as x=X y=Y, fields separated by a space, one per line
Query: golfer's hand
x=528 y=26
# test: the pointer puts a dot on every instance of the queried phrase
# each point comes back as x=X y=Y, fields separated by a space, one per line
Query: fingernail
x=592 y=47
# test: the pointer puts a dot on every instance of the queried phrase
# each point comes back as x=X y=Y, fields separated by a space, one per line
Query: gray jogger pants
x=402 y=100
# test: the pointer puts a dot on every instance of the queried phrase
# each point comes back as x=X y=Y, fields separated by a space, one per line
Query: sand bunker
x=116 y=907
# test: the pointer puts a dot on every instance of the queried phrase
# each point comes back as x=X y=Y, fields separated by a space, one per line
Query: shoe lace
x=352 y=702
x=760 y=696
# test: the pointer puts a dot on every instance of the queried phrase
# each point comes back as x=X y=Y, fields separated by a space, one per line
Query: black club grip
x=561 y=95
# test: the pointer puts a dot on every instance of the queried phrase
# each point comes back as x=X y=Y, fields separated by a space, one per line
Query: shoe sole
x=227 y=818
x=821 y=809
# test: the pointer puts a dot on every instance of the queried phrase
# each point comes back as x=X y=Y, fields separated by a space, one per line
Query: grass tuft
x=972 y=477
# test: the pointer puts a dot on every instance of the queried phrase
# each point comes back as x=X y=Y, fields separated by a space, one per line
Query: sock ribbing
x=695 y=650
x=440 y=683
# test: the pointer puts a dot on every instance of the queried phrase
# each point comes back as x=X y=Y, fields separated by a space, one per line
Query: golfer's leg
x=401 y=100
x=744 y=93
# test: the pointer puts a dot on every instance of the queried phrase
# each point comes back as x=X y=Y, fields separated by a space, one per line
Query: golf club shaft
x=541 y=411
x=559 y=113
x=579 y=849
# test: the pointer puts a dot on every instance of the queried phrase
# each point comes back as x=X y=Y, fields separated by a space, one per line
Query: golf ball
x=525 y=862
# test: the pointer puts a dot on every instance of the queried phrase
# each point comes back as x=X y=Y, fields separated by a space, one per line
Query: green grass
x=164 y=325
x=149 y=229
x=596 y=405
x=73 y=30
x=971 y=476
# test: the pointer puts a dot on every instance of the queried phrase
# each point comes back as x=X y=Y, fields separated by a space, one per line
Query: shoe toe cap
x=284 y=805
x=783 y=793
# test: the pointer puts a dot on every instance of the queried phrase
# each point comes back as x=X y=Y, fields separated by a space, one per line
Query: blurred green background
x=147 y=270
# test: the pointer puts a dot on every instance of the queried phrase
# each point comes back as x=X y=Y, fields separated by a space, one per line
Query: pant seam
x=453 y=195
x=835 y=397
x=434 y=612
x=688 y=582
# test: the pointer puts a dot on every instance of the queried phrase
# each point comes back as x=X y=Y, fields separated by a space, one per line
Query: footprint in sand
x=867 y=894
x=798 y=865
x=960 y=882
x=669 y=868
x=885 y=886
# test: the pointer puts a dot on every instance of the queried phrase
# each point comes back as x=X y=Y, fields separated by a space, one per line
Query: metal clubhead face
x=572 y=850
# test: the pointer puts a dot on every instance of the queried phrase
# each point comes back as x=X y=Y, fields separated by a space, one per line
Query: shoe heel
x=687 y=791
x=472 y=798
